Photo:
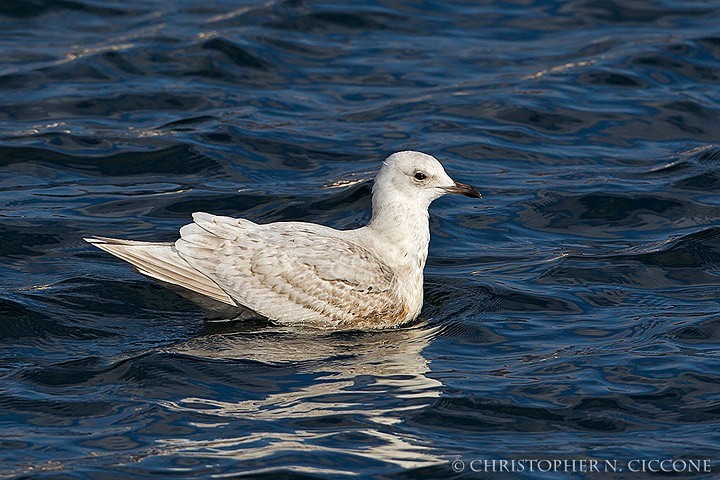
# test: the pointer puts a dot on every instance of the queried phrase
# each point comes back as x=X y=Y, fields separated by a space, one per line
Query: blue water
x=572 y=313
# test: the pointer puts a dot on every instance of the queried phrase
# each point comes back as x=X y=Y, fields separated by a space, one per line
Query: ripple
x=336 y=22
x=676 y=66
x=236 y=54
x=63 y=413
x=632 y=13
x=565 y=122
x=707 y=331
x=693 y=259
x=604 y=215
x=612 y=79
x=18 y=240
x=102 y=106
x=177 y=160
x=32 y=8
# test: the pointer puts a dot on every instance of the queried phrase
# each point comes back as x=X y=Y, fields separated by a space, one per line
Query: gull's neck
x=401 y=225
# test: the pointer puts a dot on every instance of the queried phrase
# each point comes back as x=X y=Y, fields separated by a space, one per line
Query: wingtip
x=201 y=216
x=97 y=240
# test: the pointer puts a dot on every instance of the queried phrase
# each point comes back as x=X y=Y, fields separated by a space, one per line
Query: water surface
x=571 y=314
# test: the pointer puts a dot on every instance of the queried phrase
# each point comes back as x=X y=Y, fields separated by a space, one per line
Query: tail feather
x=162 y=262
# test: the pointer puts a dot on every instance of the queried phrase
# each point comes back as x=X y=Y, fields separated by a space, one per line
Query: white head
x=415 y=178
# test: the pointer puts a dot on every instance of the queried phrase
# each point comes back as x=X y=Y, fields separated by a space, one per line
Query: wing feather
x=293 y=272
x=162 y=262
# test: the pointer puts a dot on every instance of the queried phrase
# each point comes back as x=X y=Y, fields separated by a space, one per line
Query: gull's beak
x=463 y=189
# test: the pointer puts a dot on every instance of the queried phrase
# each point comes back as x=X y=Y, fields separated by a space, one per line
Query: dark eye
x=420 y=176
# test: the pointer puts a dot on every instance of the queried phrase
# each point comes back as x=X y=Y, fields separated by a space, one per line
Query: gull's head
x=417 y=177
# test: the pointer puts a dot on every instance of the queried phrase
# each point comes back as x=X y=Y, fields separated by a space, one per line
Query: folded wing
x=292 y=272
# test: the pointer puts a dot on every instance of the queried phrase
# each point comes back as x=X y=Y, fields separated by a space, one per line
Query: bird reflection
x=376 y=377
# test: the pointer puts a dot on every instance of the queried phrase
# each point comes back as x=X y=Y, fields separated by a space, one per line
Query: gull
x=299 y=273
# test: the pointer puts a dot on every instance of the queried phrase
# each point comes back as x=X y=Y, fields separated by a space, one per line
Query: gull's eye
x=420 y=176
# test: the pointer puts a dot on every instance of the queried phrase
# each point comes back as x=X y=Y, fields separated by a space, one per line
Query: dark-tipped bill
x=463 y=189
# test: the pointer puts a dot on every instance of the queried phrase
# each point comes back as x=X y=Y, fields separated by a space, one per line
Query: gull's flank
x=304 y=273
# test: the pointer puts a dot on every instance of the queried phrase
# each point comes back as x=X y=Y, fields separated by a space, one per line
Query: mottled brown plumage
x=304 y=273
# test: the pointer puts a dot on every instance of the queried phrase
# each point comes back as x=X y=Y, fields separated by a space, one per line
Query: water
x=570 y=314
